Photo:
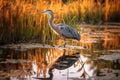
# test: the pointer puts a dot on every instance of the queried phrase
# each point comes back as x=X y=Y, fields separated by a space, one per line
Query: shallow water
x=96 y=57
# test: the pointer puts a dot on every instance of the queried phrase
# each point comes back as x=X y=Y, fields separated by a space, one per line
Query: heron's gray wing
x=68 y=32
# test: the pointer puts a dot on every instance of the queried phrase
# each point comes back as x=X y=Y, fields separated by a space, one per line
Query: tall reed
x=21 y=20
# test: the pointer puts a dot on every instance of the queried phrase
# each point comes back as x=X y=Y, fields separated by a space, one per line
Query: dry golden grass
x=21 y=20
x=111 y=40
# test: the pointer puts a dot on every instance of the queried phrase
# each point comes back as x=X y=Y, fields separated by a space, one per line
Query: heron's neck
x=50 y=21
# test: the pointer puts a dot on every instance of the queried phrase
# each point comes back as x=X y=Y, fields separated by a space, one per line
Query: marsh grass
x=21 y=20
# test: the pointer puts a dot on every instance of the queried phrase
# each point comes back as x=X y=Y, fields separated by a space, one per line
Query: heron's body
x=62 y=29
x=67 y=32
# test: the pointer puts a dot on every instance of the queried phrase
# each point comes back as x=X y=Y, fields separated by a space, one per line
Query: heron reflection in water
x=62 y=63
x=61 y=29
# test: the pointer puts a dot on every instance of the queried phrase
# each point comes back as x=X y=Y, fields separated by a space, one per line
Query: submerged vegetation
x=21 y=20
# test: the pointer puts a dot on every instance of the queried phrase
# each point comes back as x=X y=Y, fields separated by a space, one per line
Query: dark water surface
x=96 y=57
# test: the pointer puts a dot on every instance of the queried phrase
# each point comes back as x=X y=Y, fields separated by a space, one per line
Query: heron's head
x=47 y=12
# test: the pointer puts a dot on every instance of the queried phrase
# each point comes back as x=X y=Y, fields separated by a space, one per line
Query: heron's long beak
x=42 y=12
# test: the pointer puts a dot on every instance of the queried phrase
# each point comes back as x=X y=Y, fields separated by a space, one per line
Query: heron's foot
x=43 y=44
x=53 y=45
x=84 y=47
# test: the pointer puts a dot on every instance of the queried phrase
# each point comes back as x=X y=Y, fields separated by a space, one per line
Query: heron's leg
x=64 y=42
x=64 y=51
x=78 y=43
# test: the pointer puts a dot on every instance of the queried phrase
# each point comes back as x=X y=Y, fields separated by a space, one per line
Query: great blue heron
x=62 y=29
